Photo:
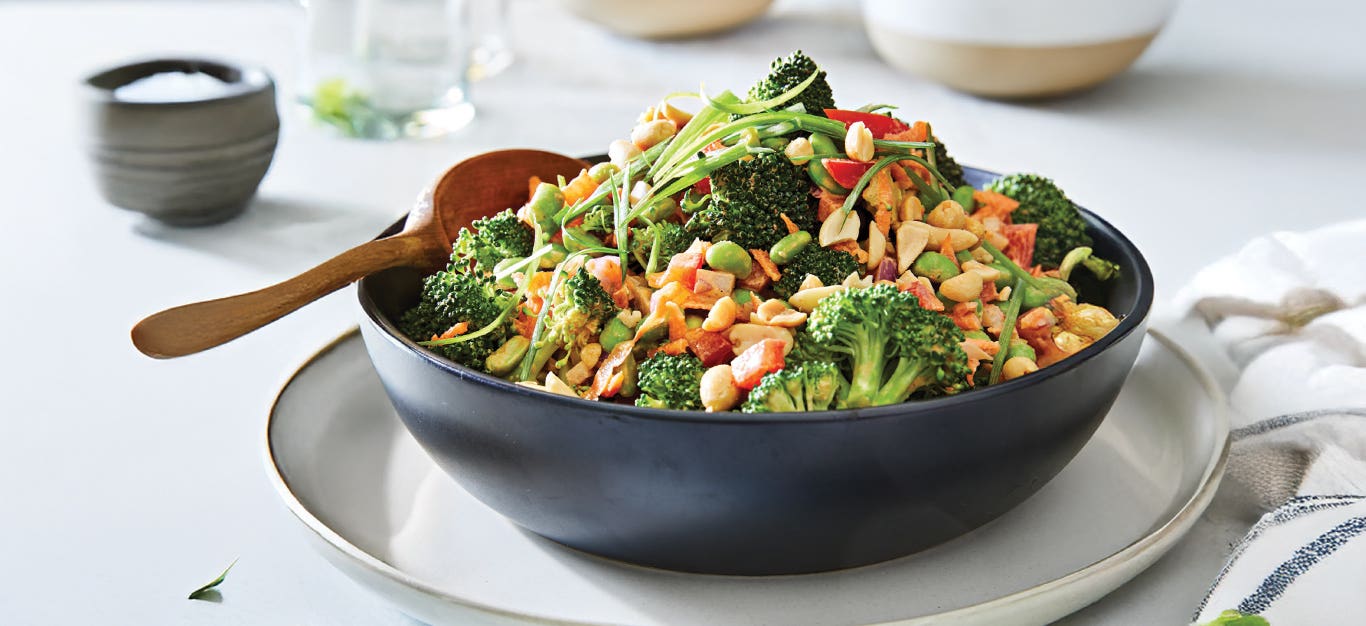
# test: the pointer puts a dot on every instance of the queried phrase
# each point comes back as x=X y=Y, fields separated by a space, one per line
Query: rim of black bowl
x=239 y=80
x=1132 y=320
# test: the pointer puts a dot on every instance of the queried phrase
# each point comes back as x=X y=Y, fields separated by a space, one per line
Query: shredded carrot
x=456 y=330
x=532 y=183
x=791 y=227
x=928 y=300
x=581 y=187
x=992 y=204
x=918 y=170
x=881 y=193
x=524 y=324
x=827 y=203
x=766 y=264
x=609 y=377
x=964 y=314
x=946 y=249
x=883 y=219
x=919 y=131
x=853 y=248
x=902 y=179
x=675 y=347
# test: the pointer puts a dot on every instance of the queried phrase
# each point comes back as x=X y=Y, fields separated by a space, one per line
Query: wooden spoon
x=476 y=187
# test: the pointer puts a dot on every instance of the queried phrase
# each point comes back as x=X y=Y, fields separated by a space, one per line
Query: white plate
x=380 y=510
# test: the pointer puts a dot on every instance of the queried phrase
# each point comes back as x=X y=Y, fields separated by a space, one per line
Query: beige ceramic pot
x=665 y=19
x=1014 y=48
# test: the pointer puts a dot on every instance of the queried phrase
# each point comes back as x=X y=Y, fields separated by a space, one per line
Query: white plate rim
x=1151 y=545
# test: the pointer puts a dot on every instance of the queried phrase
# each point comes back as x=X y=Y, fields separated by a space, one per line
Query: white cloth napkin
x=1289 y=314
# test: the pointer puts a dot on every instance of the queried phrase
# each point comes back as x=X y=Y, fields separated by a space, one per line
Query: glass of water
x=388 y=69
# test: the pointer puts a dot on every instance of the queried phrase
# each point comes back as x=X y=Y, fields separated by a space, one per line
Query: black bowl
x=732 y=493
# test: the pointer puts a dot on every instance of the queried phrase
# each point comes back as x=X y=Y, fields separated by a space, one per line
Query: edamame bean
x=613 y=333
x=774 y=143
x=934 y=266
x=602 y=171
x=742 y=296
x=506 y=358
x=963 y=196
x=976 y=334
x=693 y=321
x=1033 y=297
x=552 y=258
x=821 y=144
x=545 y=203
x=788 y=247
x=576 y=239
x=728 y=256
x=1020 y=347
x=629 y=370
x=662 y=210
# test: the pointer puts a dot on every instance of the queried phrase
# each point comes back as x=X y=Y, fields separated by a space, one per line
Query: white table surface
x=127 y=482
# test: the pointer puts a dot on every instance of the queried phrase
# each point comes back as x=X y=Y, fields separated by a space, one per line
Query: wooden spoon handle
x=195 y=327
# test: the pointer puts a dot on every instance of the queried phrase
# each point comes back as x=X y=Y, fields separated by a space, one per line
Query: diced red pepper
x=712 y=348
x=879 y=125
x=846 y=172
x=703 y=186
x=607 y=269
x=759 y=359
x=1021 y=237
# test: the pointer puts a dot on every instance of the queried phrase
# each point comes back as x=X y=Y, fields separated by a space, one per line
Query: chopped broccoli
x=831 y=266
x=952 y=171
x=669 y=381
x=810 y=386
x=448 y=298
x=673 y=238
x=790 y=71
x=1083 y=256
x=1061 y=226
x=578 y=311
x=748 y=197
x=494 y=238
x=888 y=345
x=600 y=219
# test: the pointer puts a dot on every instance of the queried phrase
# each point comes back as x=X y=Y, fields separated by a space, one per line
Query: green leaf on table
x=335 y=103
x=1233 y=617
x=199 y=594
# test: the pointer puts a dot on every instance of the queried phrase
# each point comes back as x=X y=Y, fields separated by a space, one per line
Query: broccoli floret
x=673 y=238
x=600 y=219
x=790 y=71
x=748 y=197
x=577 y=311
x=448 y=298
x=889 y=347
x=1061 y=226
x=949 y=168
x=1083 y=256
x=494 y=238
x=831 y=266
x=810 y=386
x=669 y=381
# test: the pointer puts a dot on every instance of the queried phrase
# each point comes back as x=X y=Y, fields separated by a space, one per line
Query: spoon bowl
x=473 y=188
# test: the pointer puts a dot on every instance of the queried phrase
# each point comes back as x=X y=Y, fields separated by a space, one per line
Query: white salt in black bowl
x=185 y=141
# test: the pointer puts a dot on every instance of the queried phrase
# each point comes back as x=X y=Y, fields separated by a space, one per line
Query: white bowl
x=664 y=19
x=1014 y=48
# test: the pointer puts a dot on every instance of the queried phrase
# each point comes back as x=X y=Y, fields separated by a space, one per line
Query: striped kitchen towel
x=1288 y=314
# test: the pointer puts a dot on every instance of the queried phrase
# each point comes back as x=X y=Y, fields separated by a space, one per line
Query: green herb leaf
x=198 y=594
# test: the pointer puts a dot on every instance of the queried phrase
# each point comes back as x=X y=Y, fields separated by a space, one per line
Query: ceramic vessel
x=667 y=19
x=1014 y=49
x=731 y=493
x=184 y=161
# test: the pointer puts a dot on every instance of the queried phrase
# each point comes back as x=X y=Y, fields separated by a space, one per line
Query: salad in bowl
x=771 y=253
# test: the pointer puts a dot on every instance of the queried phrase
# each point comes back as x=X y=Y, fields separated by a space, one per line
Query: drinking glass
x=388 y=69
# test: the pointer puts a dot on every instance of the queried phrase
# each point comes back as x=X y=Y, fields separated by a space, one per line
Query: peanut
x=858 y=142
x=718 y=389
x=647 y=134
x=721 y=315
x=948 y=214
x=1016 y=367
x=964 y=287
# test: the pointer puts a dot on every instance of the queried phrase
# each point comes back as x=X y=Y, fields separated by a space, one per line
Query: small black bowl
x=730 y=493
